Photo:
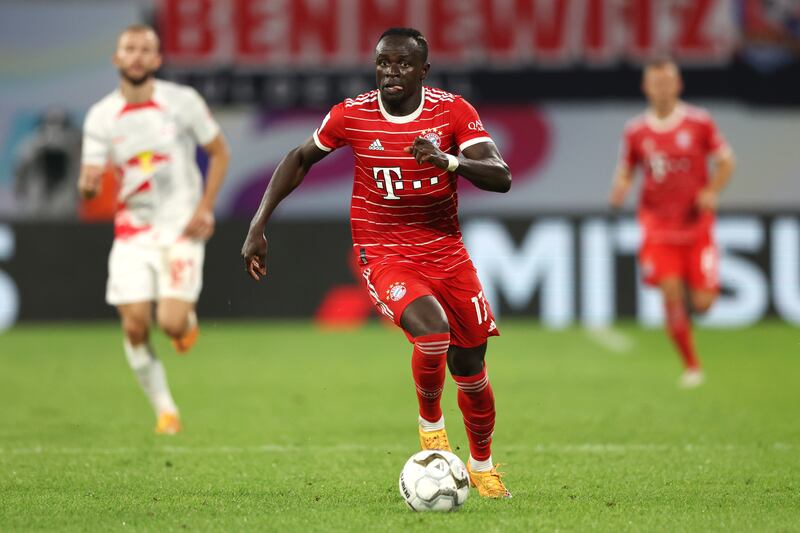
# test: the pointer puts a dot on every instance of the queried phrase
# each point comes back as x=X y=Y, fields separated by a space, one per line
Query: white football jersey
x=152 y=145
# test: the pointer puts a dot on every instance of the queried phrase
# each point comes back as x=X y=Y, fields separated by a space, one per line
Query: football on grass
x=434 y=480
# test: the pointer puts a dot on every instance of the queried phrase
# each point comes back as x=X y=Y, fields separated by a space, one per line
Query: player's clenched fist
x=89 y=181
x=617 y=196
x=254 y=252
x=707 y=200
x=201 y=225
x=425 y=151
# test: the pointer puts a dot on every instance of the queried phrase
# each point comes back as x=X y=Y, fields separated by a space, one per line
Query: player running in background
x=406 y=236
x=149 y=129
x=672 y=142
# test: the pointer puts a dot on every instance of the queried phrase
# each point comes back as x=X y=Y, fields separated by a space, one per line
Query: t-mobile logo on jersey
x=390 y=179
x=661 y=165
x=383 y=175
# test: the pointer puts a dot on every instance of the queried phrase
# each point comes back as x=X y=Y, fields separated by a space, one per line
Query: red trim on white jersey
x=138 y=106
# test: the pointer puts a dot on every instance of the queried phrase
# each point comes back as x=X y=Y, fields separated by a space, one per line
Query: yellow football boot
x=434 y=440
x=168 y=424
x=488 y=483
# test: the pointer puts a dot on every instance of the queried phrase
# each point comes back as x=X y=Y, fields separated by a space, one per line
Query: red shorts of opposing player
x=392 y=287
x=697 y=263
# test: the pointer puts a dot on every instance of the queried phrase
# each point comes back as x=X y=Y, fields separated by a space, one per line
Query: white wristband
x=452 y=162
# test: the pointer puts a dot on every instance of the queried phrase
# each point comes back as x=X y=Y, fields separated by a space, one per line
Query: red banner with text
x=501 y=33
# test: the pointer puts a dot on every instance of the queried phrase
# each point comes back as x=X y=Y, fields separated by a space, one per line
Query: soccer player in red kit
x=411 y=143
x=672 y=141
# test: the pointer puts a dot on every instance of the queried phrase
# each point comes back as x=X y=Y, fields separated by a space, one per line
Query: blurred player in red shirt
x=411 y=143
x=672 y=142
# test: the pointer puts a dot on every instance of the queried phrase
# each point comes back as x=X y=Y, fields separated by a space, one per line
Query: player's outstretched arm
x=724 y=165
x=201 y=225
x=480 y=163
x=289 y=174
x=620 y=185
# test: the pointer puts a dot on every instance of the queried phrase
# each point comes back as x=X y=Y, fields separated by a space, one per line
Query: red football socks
x=428 y=363
x=476 y=400
x=680 y=329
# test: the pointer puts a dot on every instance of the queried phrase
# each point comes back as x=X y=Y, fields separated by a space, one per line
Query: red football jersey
x=402 y=211
x=674 y=154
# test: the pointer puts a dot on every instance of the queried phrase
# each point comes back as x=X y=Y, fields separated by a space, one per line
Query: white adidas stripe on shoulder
x=440 y=92
x=697 y=113
x=370 y=96
x=635 y=123
x=360 y=103
x=442 y=95
x=364 y=96
x=436 y=99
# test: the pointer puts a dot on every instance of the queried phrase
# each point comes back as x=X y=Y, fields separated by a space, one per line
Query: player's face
x=662 y=85
x=137 y=56
x=399 y=68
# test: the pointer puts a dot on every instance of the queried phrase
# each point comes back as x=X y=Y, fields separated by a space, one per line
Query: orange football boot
x=185 y=343
x=168 y=424
x=488 y=483
x=434 y=440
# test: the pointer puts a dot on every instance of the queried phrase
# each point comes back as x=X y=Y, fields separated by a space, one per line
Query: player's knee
x=425 y=317
x=435 y=325
x=701 y=304
x=466 y=361
x=465 y=366
x=135 y=330
x=173 y=326
x=701 y=307
x=672 y=293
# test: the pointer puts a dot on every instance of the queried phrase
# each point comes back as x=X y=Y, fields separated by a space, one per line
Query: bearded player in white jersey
x=149 y=129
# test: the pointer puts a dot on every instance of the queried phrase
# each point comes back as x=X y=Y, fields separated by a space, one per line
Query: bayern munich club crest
x=433 y=135
x=396 y=291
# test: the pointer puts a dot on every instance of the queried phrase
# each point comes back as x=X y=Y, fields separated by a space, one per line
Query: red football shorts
x=392 y=287
x=696 y=263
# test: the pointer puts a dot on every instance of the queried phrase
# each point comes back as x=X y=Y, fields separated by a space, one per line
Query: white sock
x=151 y=376
x=191 y=321
x=431 y=426
x=480 y=466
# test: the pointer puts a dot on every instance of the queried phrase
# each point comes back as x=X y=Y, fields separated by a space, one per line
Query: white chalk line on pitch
x=611 y=339
x=588 y=448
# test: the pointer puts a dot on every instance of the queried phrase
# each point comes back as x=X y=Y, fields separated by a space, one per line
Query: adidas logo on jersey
x=376 y=145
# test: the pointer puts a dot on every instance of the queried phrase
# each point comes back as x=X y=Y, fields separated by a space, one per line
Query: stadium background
x=554 y=83
x=293 y=427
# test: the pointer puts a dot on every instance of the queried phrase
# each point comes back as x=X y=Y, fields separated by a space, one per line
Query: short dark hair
x=140 y=28
x=420 y=39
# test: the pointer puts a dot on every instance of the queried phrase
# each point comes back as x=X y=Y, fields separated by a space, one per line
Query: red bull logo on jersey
x=396 y=291
x=434 y=135
x=147 y=161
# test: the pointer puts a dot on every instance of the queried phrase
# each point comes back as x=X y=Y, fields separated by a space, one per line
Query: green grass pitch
x=288 y=428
